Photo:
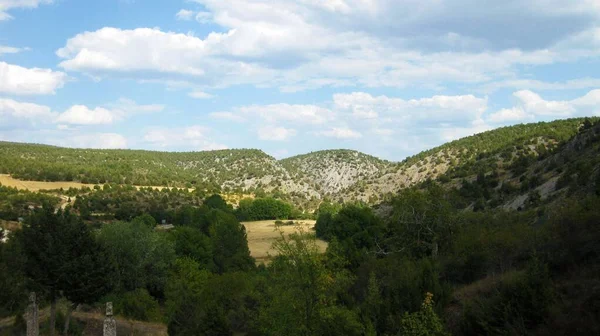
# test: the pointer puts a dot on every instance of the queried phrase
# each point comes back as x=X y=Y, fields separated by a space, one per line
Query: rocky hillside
x=340 y=175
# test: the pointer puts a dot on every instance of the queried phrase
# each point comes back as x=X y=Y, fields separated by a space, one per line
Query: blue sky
x=386 y=77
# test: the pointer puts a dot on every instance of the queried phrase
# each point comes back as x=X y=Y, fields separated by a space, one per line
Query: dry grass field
x=9 y=181
x=262 y=234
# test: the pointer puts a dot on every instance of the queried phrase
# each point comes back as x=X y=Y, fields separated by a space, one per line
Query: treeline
x=267 y=208
x=15 y=204
x=491 y=272
x=423 y=268
x=174 y=206
x=206 y=170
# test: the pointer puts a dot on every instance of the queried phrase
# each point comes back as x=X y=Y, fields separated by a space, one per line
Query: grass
x=9 y=181
x=262 y=235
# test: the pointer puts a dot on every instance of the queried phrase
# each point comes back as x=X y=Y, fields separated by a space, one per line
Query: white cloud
x=341 y=133
x=12 y=110
x=383 y=131
x=533 y=84
x=194 y=137
x=200 y=95
x=18 y=80
x=454 y=133
x=204 y=17
x=288 y=113
x=274 y=133
x=435 y=109
x=531 y=106
x=82 y=115
x=94 y=140
x=9 y=50
x=6 y=5
x=123 y=108
x=184 y=14
x=296 y=45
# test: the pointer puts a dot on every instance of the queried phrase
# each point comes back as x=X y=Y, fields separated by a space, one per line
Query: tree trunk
x=52 y=314
x=68 y=318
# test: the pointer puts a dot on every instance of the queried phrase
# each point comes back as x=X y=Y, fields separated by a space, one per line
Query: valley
x=469 y=238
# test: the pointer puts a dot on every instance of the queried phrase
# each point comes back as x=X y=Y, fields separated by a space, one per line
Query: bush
x=424 y=322
x=136 y=305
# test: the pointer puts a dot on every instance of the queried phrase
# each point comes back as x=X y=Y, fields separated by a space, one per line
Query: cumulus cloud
x=185 y=137
x=18 y=114
x=274 y=133
x=18 y=80
x=82 y=115
x=297 y=45
x=435 y=109
x=123 y=108
x=531 y=106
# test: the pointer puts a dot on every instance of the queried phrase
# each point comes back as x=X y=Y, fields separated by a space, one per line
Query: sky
x=386 y=77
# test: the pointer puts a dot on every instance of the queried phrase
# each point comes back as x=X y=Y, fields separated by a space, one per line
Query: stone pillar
x=33 y=325
x=110 y=324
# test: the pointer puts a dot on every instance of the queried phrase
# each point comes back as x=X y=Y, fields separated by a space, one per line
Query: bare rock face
x=110 y=324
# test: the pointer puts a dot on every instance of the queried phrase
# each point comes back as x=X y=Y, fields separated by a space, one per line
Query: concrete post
x=110 y=324
x=33 y=325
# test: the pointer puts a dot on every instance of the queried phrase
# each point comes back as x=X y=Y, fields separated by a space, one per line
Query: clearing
x=262 y=234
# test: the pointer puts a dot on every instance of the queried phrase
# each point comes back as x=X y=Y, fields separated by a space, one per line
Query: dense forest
x=495 y=248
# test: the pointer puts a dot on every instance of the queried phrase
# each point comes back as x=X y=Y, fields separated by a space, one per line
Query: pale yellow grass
x=262 y=234
x=9 y=181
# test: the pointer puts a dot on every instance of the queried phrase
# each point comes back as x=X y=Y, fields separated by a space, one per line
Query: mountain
x=503 y=155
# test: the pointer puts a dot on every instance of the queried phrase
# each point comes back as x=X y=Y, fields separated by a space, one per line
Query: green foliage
x=300 y=298
x=143 y=256
x=357 y=230
x=194 y=244
x=58 y=246
x=230 y=244
x=520 y=303
x=264 y=208
x=203 y=170
x=12 y=276
x=200 y=303
x=137 y=305
x=422 y=323
x=16 y=203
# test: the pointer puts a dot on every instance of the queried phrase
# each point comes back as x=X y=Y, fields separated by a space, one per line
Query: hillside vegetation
x=504 y=241
x=304 y=180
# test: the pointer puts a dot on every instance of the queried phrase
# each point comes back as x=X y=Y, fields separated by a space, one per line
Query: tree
x=143 y=256
x=193 y=243
x=217 y=202
x=59 y=246
x=422 y=323
x=201 y=303
x=230 y=243
x=301 y=298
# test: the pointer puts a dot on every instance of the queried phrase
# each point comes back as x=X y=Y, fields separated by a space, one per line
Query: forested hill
x=340 y=175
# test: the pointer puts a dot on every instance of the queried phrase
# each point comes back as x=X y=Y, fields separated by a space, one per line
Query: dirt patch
x=262 y=235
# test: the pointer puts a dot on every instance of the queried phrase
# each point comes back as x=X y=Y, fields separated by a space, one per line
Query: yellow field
x=262 y=234
x=9 y=181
